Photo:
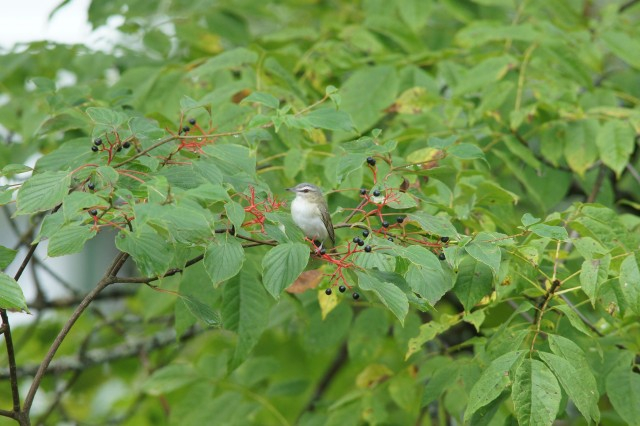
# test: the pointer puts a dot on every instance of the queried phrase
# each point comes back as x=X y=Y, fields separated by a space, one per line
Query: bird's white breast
x=308 y=217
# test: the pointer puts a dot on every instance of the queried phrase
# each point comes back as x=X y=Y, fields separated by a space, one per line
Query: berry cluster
x=111 y=146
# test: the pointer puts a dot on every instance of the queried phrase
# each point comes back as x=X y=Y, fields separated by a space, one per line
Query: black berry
x=342 y=289
x=126 y=145
x=355 y=296
x=323 y=251
x=441 y=256
x=390 y=239
x=360 y=243
x=94 y=148
x=119 y=148
x=328 y=292
x=186 y=129
x=192 y=121
x=385 y=224
x=371 y=161
x=93 y=212
x=376 y=193
x=356 y=240
x=98 y=141
x=399 y=219
x=365 y=233
x=367 y=249
x=91 y=186
x=363 y=191
x=444 y=239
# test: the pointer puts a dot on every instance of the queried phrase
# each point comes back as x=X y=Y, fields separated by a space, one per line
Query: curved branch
x=108 y=279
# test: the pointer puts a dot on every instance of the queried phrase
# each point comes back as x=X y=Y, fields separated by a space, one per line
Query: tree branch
x=102 y=284
x=99 y=356
x=326 y=379
x=628 y=5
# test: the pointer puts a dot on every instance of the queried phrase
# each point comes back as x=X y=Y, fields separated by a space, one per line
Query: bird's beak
x=290 y=189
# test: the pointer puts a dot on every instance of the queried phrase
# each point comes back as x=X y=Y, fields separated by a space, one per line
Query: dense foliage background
x=510 y=128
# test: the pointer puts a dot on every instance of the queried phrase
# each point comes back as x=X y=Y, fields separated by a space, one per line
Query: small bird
x=310 y=212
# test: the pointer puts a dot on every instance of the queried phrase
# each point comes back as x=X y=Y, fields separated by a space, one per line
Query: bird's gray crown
x=305 y=188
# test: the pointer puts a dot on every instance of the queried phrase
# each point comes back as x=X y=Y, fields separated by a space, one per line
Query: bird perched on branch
x=310 y=212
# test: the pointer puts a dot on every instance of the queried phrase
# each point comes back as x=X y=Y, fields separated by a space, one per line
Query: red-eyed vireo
x=310 y=212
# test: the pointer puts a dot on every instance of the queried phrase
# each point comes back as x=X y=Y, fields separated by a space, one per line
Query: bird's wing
x=326 y=219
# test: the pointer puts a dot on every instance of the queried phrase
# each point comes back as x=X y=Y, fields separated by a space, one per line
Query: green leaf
x=573 y=318
x=75 y=204
x=282 y=265
x=6 y=195
x=580 y=150
x=42 y=192
x=536 y=394
x=265 y=99
x=580 y=385
x=235 y=213
x=425 y=275
x=388 y=293
x=528 y=220
x=330 y=119
x=623 y=45
x=6 y=256
x=435 y=225
x=149 y=250
x=223 y=259
x=623 y=390
x=630 y=282
x=548 y=231
x=106 y=117
x=487 y=253
x=427 y=333
x=169 y=378
x=246 y=311
x=593 y=274
x=466 y=151
x=231 y=59
x=11 y=296
x=615 y=141
x=473 y=282
x=366 y=94
x=493 y=381
x=201 y=311
x=69 y=239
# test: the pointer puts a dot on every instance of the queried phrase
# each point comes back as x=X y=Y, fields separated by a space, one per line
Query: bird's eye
x=305 y=190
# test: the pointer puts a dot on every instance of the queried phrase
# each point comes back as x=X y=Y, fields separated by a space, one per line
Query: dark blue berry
x=365 y=233
x=444 y=239
x=342 y=289
x=93 y=212
x=441 y=256
x=91 y=186
x=399 y=219
x=356 y=240
x=363 y=191
x=94 y=148
x=323 y=251
x=385 y=224
x=98 y=141
x=355 y=296
x=186 y=129
x=192 y=121
x=328 y=292
x=371 y=161
x=360 y=243
x=367 y=249
x=376 y=193
x=126 y=145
